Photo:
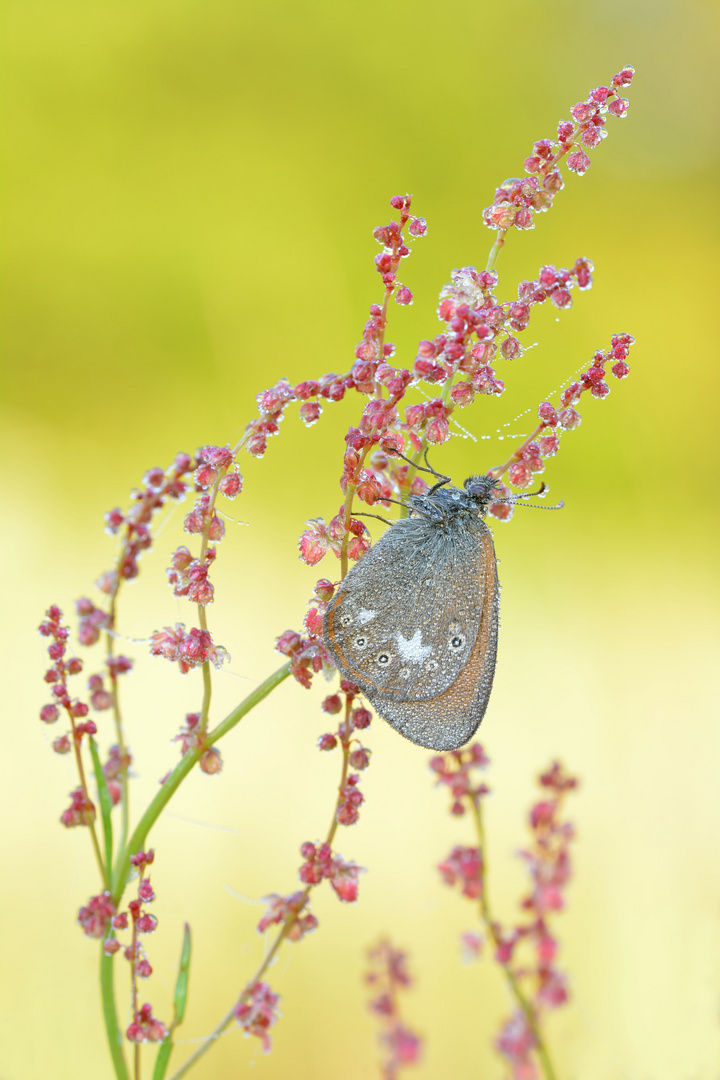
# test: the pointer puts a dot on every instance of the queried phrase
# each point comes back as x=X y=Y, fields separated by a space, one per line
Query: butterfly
x=415 y=622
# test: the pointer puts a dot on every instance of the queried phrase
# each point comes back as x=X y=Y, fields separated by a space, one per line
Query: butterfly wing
x=405 y=622
x=451 y=718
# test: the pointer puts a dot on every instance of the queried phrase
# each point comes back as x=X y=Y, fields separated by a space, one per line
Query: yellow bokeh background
x=189 y=196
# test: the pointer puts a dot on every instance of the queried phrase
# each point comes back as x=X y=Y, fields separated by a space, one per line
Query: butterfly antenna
x=376 y=516
x=534 y=506
x=421 y=468
x=531 y=494
x=513 y=500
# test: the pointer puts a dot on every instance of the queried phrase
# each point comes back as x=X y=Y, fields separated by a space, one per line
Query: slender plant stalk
x=104 y=870
x=491 y=928
x=181 y=770
x=289 y=921
x=114 y=1035
x=495 y=250
x=119 y=733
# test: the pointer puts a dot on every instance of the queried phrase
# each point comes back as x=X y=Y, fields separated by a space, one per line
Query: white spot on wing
x=412 y=649
x=365 y=616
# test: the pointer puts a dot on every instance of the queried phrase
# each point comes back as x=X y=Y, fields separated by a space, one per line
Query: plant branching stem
x=181 y=770
x=492 y=931
x=516 y=455
x=288 y=923
x=104 y=870
x=495 y=250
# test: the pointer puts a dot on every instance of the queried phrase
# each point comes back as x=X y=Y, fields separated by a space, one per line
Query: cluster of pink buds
x=355 y=718
x=81 y=810
x=187 y=648
x=257 y=1011
x=388 y=976
x=306 y=654
x=464 y=867
x=394 y=248
x=116 y=765
x=370 y=372
x=544 y=441
x=215 y=466
x=320 y=538
x=321 y=863
x=96 y=915
x=101 y=698
x=143 y=1027
x=455 y=771
x=518 y=200
x=549 y=865
x=189 y=577
x=158 y=487
x=192 y=737
x=91 y=621
x=288 y=910
x=548 y=862
x=57 y=675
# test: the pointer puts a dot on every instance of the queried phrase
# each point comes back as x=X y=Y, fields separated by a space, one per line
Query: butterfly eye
x=404 y=673
x=345 y=620
x=430 y=665
x=383 y=659
x=457 y=642
x=360 y=642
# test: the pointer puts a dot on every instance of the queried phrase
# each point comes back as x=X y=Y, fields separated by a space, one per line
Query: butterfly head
x=480 y=489
x=446 y=502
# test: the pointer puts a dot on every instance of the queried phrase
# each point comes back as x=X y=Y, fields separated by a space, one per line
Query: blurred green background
x=189 y=196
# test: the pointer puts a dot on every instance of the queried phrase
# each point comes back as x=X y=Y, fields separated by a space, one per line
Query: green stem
x=176 y=777
x=107 y=989
x=205 y=1046
x=117 y=719
x=496 y=249
x=287 y=925
x=105 y=804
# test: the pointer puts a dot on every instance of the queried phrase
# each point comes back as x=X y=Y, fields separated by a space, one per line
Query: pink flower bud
x=324 y=590
x=578 y=162
x=569 y=419
x=211 y=761
x=519 y=474
x=231 y=485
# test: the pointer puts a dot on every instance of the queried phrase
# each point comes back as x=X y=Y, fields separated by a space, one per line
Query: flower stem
x=117 y=718
x=496 y=249
x=287 y=925
x=107 y=990
x=499 y=470
x=104 y=870
x=492 y=931
x=181 y=770
x=347 y=515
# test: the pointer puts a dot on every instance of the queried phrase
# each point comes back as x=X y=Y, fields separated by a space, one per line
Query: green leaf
x=181 y=986
x=179 y=1004
x=163 y=1058
x=105 y=805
